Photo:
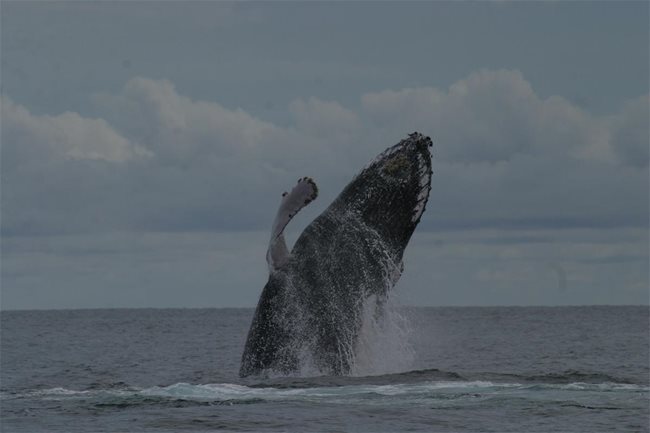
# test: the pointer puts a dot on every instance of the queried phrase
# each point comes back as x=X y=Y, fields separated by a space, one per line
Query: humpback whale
x=310 y=310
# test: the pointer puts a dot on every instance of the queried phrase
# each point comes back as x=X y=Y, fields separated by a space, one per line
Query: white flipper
x=300 y=196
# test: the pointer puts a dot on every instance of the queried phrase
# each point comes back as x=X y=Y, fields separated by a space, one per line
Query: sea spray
x=384 y=341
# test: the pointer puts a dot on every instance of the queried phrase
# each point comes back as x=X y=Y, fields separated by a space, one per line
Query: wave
x=427 y=392
x=570 y=376
x=436 y=375
x=414 y=376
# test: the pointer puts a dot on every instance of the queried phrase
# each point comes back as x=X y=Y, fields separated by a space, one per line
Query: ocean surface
x=519 y=369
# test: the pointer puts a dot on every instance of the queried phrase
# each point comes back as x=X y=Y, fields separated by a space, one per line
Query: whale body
x=310 y=310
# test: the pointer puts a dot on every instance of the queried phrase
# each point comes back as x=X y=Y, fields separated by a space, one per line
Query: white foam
x=229 y=392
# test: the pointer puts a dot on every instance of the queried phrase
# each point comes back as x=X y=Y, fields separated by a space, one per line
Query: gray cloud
x=210 y=269
x=578 y=266
x=505 y=157
x=158 y=160
x=150 y=156
x=326 y=119
x=64 y=136
x=630 y=133
x=492 y=116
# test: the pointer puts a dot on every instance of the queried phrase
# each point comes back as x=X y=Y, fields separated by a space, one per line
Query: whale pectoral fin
x=300 y=196
x=277 y=254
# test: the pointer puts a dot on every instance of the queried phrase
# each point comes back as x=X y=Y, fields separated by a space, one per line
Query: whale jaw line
x=398 y=179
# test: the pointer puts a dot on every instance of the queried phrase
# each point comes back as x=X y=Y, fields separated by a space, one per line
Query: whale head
x=390 y=193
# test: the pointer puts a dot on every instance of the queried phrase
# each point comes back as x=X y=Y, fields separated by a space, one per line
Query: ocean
x=465 y=369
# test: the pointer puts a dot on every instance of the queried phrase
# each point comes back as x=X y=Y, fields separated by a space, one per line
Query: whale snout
x=421 y=142
x=407 y=161
x=417 y=149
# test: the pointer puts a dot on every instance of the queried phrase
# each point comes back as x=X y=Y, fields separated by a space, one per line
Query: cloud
x=504 y=157
x=180 y=131
x=67 y=136
x=469 y=267
x=156 y=160
x=527 y=192
x=323 y=118
x=630 y=133
x=196 y=165
x=527 y=267
x=491 y=116
x=127 y=270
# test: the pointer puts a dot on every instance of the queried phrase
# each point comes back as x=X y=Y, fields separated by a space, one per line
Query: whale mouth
x=397 y=164
x=422 y=144
x=411 y=150
x=415 y=142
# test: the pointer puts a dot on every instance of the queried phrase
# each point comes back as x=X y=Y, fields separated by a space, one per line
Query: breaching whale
x=310 y=310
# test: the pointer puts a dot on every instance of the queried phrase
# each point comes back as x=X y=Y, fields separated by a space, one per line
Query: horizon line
x=3 y=310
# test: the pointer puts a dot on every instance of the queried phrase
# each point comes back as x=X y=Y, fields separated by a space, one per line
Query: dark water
x=474 y=369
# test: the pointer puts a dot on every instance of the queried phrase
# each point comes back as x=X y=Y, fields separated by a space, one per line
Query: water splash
x=331 y=311
x=384 y=341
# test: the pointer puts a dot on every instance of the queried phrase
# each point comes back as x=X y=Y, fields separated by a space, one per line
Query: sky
x=145 y=145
